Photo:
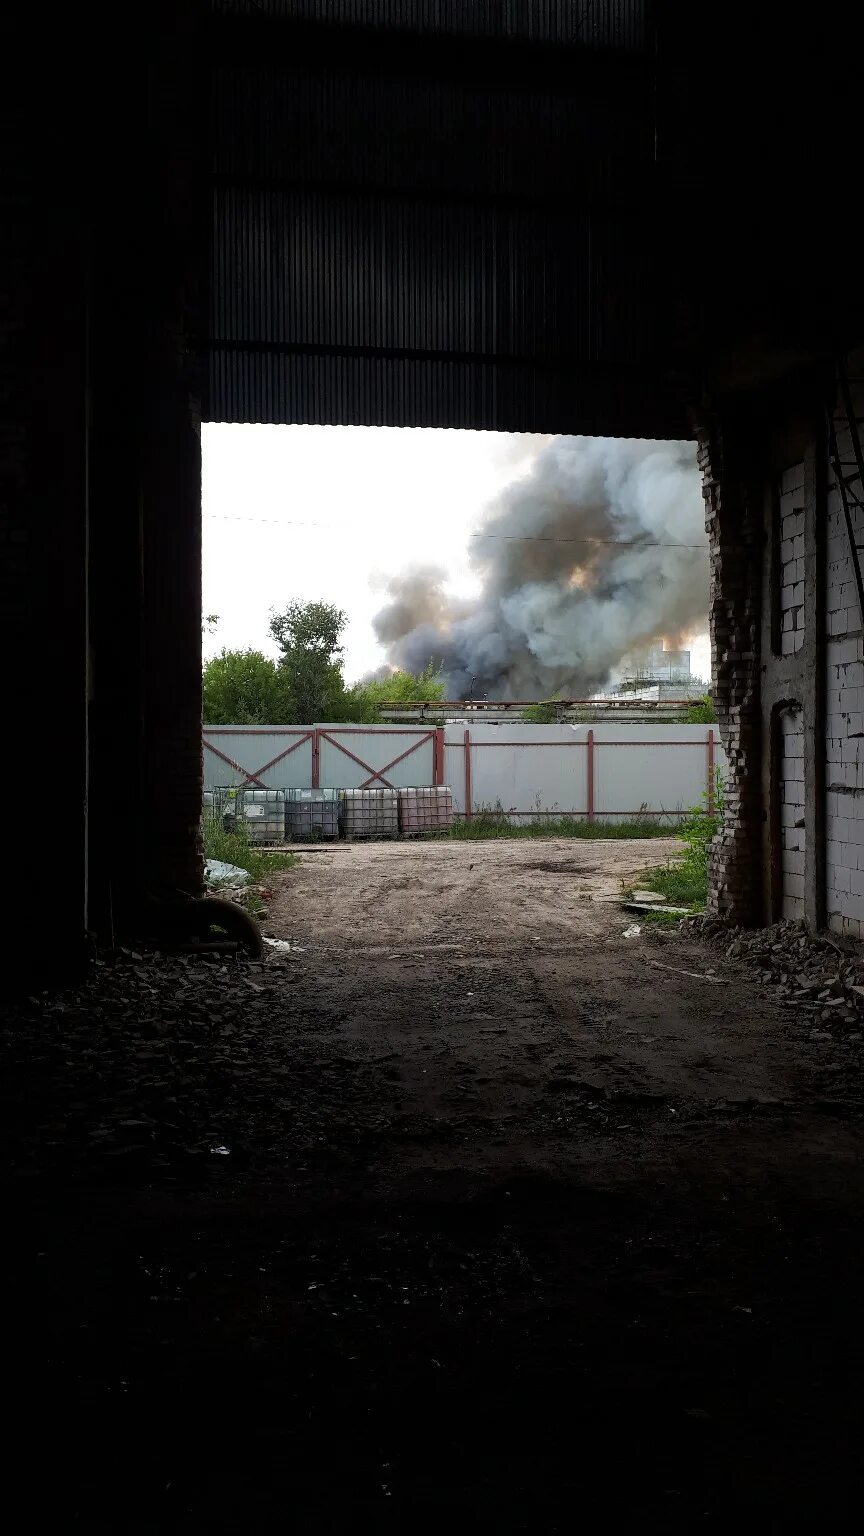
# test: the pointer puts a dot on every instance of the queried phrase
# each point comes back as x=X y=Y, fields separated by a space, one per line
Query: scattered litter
x=217 y=872
x=221 y=1151
x=696 y=975
x=285 y=946
x=632 y=932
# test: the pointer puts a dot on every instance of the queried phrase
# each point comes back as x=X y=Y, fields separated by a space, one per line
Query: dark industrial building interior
x=259 y=1278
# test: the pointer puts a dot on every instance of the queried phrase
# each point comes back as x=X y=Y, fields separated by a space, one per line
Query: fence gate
x=258 y=757
x=355 y=757
x=322 y=757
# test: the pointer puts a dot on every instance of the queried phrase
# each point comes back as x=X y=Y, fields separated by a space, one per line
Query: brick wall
x=792 y=831
x=733 y=526
x=844 y=709
x=791 y=556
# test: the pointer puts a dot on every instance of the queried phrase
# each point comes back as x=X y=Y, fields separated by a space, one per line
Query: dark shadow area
x=435 y=1238
x=532 y=1234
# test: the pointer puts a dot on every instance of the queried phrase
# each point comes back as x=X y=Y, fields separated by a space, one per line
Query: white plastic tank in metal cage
x=215 y=803
x=262 y=811
x=370 y=813
x=312 y=815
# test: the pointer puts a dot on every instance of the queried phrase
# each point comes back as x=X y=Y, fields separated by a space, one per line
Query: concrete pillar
x=172 y=771
x=146 y=472
x=43 y=512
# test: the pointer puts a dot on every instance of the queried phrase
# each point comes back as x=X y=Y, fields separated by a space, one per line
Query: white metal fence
x=600 y=771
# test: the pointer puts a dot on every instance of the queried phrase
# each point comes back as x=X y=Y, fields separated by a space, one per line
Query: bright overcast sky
x=325 y=512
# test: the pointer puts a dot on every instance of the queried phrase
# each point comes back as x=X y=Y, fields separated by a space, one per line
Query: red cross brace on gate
x=436 y=736
x=316 y=736
x=255 y=778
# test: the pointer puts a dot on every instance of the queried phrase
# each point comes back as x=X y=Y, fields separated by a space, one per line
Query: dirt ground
x=464 y=1209
x=492 y=969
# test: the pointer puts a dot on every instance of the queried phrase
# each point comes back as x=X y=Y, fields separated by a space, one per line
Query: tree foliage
x=700 y=712
x=544 y=713
x=363 y=702
x=306 y=683
x=244 y=688
x=308 y=636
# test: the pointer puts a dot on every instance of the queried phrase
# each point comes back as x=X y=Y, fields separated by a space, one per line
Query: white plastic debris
x=216 y=872
x=632 y=932
x=284 y=946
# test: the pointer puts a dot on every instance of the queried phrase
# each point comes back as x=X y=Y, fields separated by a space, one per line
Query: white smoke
x=587 y=557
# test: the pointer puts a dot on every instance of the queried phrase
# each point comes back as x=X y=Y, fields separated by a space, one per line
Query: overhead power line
x=510 y=538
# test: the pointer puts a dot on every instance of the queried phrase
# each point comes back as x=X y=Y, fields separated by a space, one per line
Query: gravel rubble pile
x=160 y=1063
x=815 y=972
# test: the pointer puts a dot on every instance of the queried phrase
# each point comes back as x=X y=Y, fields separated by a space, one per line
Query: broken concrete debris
x=812 y=970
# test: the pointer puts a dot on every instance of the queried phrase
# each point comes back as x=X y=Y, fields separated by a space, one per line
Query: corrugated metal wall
x=606 y=23
x=524 y=768
x=350 y=757
x=267 y=757
x=415 y=222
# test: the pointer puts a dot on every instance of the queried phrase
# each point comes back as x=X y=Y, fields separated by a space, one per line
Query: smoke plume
x=580 y=562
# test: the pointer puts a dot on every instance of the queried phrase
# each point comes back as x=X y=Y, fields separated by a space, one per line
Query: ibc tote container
x=262 y=811
x=215 y=803
x=425 y=810
x=312 y=815
x=370 y=813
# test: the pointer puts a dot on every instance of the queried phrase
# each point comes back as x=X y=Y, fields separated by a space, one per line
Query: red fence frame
x=590 y=744
x=253 y=778
x=436 y=736
x=318 y=734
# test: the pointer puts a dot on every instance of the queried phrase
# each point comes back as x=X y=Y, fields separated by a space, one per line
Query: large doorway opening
x=414 y=634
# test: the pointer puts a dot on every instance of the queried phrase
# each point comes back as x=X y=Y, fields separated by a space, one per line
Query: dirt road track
x=493 y=970
x=462 y=1214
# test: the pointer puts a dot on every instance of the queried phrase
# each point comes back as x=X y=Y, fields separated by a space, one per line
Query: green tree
x=308 y=636
x=544 y=713
x=406 y=687
x=244 y=688
x=700 y=712
x=365 y=700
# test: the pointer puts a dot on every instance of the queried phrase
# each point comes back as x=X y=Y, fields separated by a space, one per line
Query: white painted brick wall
x=844 y=714
x=792 y=853
x=792 y=560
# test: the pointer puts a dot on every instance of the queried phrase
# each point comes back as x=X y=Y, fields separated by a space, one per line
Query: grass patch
x=235 y=848
x=684 y=882
x=678 y=884
x=493 y=821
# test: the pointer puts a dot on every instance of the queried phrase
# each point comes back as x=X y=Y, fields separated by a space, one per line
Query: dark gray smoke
x=572 y=580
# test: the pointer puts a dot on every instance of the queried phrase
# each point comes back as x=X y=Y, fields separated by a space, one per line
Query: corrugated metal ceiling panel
x=396 y=245
x=608 y=23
